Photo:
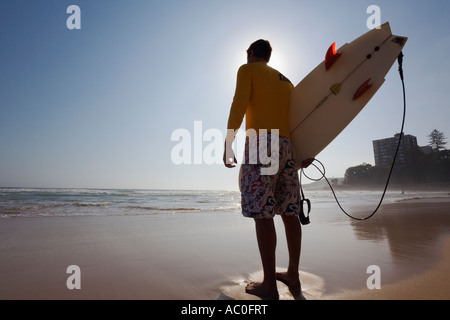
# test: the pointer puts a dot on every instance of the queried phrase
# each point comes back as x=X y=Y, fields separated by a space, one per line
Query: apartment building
x=384 y=149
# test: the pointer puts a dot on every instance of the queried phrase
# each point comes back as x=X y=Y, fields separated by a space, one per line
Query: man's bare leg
x=294 y=241
x=267 y=242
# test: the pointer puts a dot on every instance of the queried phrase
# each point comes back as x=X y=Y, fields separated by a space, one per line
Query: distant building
x=384 y=149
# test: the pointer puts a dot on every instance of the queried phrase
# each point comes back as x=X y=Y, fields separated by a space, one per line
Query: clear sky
x=96 y=107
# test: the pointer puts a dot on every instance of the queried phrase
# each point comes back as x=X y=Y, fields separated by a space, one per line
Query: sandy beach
x=194 y=256
x=427 y=228
x=432 y=284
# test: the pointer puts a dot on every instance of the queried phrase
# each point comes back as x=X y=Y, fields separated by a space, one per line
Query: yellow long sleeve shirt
x=262 y=95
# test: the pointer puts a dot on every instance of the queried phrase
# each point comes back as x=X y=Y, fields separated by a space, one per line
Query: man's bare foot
x=293 y=284
x=261 y=290
x=287 y=280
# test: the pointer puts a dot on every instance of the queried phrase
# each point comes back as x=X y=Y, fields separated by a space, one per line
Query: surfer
x=262 y=95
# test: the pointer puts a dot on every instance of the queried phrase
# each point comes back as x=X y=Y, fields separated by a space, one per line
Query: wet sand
x=418 y=231
x=433 y=284
x=194 y=256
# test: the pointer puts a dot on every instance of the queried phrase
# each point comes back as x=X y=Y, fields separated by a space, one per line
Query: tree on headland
x=437 y=140
x=359 y=174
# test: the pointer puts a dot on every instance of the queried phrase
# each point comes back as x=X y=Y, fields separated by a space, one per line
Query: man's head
x=259 y=50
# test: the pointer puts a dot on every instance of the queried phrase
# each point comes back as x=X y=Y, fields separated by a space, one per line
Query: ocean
x=37 y=202
x=45 y=202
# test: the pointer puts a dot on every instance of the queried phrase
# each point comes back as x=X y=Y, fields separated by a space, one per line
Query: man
x=262 y=95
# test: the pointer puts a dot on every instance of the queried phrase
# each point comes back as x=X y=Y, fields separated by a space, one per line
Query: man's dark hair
x=261 y=49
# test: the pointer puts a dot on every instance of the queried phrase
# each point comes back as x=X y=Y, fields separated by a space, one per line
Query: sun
x=277 y=61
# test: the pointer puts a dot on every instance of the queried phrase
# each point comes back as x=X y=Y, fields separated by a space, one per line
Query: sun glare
x=277 y=61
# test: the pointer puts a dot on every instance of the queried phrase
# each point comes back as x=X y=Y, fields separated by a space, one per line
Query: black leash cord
x=400 y=70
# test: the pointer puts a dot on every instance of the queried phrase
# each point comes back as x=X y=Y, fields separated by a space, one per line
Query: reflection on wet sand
x=412 y=228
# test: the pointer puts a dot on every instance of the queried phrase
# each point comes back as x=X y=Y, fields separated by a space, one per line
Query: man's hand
x=307 y=162
x=229 y=159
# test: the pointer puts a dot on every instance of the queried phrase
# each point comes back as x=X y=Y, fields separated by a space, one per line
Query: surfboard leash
x=304 y=219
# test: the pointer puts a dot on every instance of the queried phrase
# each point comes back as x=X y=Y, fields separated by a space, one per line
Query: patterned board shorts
x=266 y=192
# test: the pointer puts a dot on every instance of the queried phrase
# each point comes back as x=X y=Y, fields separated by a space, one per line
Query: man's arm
x=237 y=112
x=241 y=98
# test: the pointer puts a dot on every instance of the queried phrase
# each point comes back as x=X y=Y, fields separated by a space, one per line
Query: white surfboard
x=331 y=96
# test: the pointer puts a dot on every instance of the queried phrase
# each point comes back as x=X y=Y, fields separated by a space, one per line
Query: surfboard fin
x=331 y=56
x=363 y=88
